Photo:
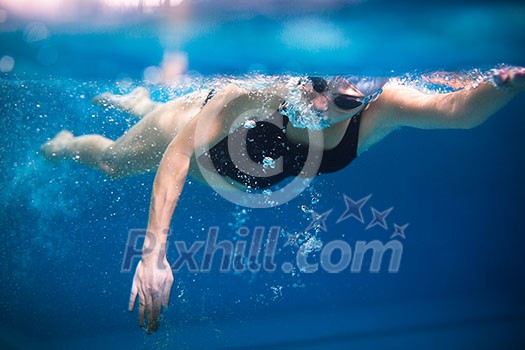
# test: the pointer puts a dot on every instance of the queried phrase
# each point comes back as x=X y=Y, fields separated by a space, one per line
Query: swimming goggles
x=346 y=102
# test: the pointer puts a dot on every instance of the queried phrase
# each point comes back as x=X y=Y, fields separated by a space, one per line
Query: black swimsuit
x=268 y=140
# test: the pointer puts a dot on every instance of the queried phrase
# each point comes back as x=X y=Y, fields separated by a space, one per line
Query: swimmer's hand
x=510 y=77
x=152 y=282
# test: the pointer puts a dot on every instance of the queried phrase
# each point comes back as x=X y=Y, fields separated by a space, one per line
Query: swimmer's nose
x=320 y=103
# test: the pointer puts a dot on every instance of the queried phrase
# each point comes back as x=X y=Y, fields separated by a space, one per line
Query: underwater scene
x=417 y=243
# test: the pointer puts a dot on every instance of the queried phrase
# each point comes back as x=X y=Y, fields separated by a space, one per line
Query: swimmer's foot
x=137 y=102
x=54 y=149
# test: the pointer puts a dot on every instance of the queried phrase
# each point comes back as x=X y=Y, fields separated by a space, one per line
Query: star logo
x=354 y=208
x=399 y=231
x=292 y=240
x=379 y=218
x=319 y=220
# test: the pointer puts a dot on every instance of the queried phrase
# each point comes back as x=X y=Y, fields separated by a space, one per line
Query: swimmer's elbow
x=457 y=121
x=460 y=118
x=439 y=120
x=468 y=123
x=465 y=112
x=434 y=111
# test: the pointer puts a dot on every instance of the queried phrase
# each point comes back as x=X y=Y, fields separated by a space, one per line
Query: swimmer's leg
x=137 y=102
x=138 y=151
x=85 y=149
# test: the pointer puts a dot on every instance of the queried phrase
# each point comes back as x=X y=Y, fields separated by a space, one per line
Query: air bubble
x=249 y=124
x=7 y=63
x=268 y=162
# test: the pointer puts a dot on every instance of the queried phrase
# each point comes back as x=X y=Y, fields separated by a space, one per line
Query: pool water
x=64 y=227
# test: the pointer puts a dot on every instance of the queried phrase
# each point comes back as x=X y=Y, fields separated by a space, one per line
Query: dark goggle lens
x=319 y=84
x=346 y=102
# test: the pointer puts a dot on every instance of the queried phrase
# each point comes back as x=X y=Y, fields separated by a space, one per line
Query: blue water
x=64 y=226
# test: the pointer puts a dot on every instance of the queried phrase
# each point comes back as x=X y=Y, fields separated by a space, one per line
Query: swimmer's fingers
x=511 y=77
x=133 y=295
x=154 y=313
x=166 y=291
x=142 y=308
x=136 y=289
x=517 y=77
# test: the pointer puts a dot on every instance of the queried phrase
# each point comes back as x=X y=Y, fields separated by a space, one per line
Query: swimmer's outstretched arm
x=153 y=277
x=464 y=109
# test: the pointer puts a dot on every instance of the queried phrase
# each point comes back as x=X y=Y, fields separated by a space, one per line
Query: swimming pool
x=65 y=227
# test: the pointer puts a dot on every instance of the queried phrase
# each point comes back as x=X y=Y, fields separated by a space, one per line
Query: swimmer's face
x=336 y=100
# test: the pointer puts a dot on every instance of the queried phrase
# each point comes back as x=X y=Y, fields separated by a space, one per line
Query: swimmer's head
x=316 y=103
x=337 y=99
